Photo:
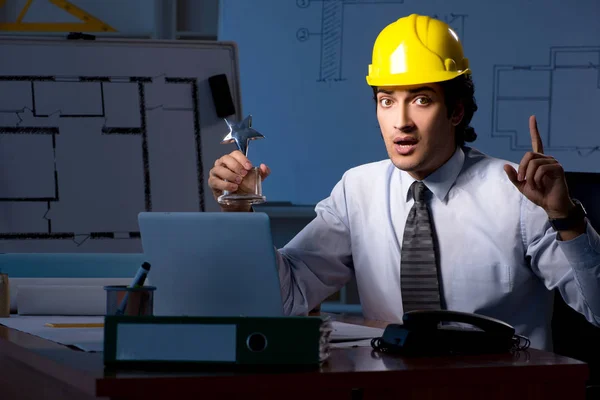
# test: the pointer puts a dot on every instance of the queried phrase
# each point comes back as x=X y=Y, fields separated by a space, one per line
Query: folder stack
x=153 y=341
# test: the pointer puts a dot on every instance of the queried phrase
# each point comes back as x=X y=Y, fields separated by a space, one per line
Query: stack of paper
x=351 y=335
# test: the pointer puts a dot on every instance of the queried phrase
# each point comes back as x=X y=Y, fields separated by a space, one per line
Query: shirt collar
x=441 y=180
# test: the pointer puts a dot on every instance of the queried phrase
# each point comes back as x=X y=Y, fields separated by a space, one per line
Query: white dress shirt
x=499 y=256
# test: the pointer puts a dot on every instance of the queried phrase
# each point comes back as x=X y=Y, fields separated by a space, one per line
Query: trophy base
x=241 y=199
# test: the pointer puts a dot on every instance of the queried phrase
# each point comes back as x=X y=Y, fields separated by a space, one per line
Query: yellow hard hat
x=416 y=49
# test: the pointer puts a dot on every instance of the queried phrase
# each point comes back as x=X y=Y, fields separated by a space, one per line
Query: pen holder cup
x=130 y=301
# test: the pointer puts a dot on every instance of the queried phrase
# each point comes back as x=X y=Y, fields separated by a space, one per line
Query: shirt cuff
x=582 y=252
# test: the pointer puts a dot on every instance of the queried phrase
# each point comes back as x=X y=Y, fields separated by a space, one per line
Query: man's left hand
x=541 y=178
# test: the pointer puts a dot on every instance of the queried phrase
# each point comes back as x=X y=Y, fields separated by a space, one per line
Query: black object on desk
x=423 y=333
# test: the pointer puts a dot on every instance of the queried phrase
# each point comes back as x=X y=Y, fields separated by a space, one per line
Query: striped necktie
x=418 y=265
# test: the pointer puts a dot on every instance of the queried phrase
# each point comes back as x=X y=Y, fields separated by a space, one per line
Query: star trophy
x=250 y=190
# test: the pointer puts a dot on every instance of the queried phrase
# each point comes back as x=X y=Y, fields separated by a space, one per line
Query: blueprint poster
x=303 y=65
x=87 y=144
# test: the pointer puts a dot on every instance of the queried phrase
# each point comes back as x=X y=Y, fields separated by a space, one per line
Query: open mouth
x=405 y=146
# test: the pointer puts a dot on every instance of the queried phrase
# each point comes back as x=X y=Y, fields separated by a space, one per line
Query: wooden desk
x=34 y=368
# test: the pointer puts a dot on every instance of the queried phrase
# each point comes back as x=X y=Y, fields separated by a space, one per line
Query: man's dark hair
x=461 y=90
x=458 y=90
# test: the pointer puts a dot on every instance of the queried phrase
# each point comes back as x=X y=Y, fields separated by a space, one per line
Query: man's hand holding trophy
x=235 y=183
x=249 y=187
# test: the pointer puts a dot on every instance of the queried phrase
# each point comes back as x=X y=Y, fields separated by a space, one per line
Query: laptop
x=211 y=263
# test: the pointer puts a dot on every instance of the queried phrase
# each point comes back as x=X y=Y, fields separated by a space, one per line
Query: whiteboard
x=310 y=96
x=94 y=132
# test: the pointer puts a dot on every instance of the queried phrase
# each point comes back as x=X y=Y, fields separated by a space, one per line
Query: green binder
x=151 y=341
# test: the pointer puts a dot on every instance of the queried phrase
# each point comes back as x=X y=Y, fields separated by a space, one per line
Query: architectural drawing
x=564 y=94
x=109 y=120
x=331 y=33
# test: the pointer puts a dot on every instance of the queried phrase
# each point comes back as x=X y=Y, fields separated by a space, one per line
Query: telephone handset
x=423 y=333
x=431 y=318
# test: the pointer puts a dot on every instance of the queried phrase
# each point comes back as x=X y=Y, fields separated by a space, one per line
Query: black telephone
x=422 y=333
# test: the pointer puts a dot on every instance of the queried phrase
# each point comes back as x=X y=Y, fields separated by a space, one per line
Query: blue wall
x=536 y=57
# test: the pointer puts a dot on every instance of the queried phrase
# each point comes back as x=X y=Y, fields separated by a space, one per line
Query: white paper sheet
x=87 y=339
x=344 y=332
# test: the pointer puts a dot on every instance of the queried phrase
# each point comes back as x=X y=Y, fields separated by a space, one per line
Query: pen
x=138 y=281
x=140 y=276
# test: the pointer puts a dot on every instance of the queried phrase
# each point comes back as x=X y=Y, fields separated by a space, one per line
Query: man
x=503 y=236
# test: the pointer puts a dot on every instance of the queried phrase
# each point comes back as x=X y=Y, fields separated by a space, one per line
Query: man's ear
x=458 y=114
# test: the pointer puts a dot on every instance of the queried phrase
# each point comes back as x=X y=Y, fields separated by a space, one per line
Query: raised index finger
x=536 y=140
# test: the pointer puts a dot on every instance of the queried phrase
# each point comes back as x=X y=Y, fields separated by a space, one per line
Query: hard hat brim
x=406 y=79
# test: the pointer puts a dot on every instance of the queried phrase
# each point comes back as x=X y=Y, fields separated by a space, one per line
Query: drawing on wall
x=564 y=94
x=331 y=34
x=97 y=116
